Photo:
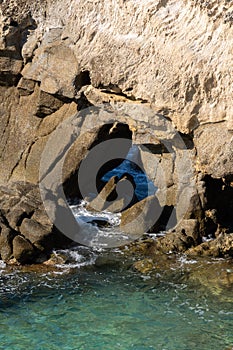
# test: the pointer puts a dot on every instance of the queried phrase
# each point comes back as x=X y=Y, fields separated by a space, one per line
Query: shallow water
x=110 y=306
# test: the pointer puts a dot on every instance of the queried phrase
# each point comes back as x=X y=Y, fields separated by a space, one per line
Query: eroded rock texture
x=172 y=57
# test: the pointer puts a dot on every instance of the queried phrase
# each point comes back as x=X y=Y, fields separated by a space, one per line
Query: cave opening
x=219 y=207
x=121 y=182
x=130 y=166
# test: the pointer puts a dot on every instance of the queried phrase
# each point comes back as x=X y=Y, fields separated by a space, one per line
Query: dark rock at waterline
x=109 y=260
x=26 y=232
x=184 y=236
x=173 y=242
x=188 y=228
x=222 y=246
x=23 y=250
x=6 y=238
x=40 y=235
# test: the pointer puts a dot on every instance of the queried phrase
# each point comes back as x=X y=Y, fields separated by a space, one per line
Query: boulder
x=141 y=217
x=23 y=250
x=26 y=86
x=173 y=243
x=6 y=238
x=26 y=229
x=42 y=236
x=47 y=104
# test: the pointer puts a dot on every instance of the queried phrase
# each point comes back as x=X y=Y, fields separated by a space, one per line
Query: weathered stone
x=47 y=104
x=6 y=238
x=144 y=266
x=27 y=217
x=23 y=250
x=141 y=217
x=171 y=65
x=30 y=46
x=117 y=195
x=55 y=66
x=215 y=275
x=41 y=236
x=56 y=259
x=10 y=67
x=26 y=87
x=108 y=193
x=173 y=242
x=214 y=146
x=190 y=228
x=100 y=223
x=219 y=247
x=89 y=151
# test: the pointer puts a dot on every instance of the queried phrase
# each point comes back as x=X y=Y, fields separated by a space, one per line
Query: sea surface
x=98 y=301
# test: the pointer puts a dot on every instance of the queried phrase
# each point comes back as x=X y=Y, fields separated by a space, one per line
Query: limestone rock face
x=163 y=72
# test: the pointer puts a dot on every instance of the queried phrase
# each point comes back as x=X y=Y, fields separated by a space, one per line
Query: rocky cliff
x=163 y=72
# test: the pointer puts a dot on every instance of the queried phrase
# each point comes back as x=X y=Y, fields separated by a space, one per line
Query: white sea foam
x=77 y=257
x=102 y=237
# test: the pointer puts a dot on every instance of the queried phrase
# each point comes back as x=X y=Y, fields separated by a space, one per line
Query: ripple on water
x=113 y=307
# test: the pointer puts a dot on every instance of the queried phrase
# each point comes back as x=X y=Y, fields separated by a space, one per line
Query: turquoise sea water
x=110 y=306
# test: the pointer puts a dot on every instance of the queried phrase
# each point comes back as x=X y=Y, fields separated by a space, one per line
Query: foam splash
x=103 y=237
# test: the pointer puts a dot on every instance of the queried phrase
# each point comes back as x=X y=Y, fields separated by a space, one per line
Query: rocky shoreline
x=158 y=75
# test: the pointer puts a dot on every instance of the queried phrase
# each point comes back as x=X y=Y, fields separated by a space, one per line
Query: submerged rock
x=216 y=276
x=144 y=266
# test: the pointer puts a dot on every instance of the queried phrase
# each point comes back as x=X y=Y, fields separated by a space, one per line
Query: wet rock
x=56 y=259
x=108 y=261
x=216 y=277
x=189 y=228
x=173 y=243
x=100 y=223
x=219 y=247
x=23 y=250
